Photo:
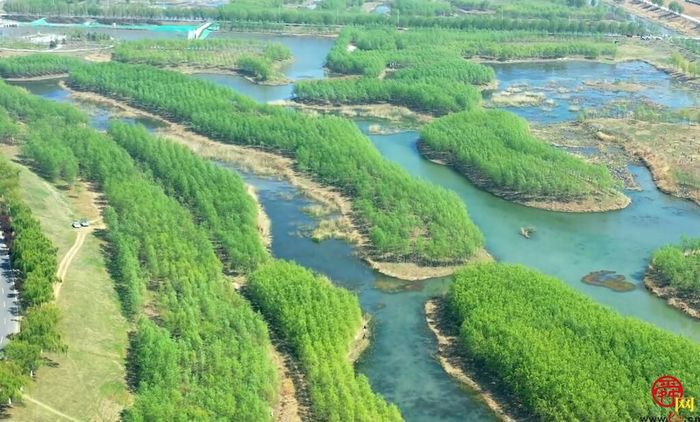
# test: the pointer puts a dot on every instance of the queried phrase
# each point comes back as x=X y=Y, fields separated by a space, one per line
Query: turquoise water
x=564 y=82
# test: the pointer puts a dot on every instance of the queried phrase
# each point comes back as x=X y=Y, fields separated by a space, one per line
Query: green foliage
x=435 y=98
x=34 y=256
x=256 y=58
x=215 y=359
x=255 y=66
x=403 y=217
x=541 y=339
x=53 y=159
x=496 y=150
x=676 y=7
x=319 y=322
x=36 y=65
x=679 y=265
x=685 y=65
x=541 y=50
x=216 y=196
x=9 y=130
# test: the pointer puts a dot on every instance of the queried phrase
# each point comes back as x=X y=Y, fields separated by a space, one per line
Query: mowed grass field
x=87 y=382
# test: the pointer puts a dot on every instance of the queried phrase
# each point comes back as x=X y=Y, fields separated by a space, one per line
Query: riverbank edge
x=380 y=111
x=273 y=164
x=590 y=205
x=453 y=362
x=654 y=283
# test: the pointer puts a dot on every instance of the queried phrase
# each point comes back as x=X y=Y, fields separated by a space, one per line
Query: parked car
x=76 y=224
x=84 y=223
x=3 y=246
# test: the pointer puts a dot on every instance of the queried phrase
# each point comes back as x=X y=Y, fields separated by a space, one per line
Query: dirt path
x=49 y=408
x=87 y=202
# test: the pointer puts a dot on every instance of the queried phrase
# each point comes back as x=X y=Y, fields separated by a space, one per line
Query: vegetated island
x=258 y=61
x=497 y=152
x=674 y=274
x=405 y=220
x=532 y=336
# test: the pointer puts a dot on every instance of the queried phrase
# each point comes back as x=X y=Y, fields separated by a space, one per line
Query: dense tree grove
x=405 y=219
x=200 y=352
x=217 y=196
x=438 y=99
x=562 y=355
x=257 y=58
x=53 y=159
x=679 y=265
x=542 y=50
x=34 y=257
x=319 y=322
x=495 y=149
x=36 y=65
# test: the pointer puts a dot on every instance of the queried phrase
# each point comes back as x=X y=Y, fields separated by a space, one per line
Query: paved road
x=9 y=302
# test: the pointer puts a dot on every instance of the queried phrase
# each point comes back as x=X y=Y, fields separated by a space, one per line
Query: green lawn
x=88 y=382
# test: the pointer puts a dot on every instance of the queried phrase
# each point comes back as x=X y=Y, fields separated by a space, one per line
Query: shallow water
x=400 y=363
x=563 y=82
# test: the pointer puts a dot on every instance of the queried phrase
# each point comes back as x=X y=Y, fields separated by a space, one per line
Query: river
x=400 y=363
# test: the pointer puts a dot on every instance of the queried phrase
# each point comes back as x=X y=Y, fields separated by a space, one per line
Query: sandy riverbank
x=457 y=365
x=386 y=112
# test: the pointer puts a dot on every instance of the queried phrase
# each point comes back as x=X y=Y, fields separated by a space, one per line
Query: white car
x=3 y=246
x=76 y=224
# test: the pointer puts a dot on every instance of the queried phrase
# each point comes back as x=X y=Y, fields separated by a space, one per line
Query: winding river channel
x=400 y=364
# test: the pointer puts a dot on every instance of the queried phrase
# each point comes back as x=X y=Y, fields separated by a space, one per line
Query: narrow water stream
x=400 y=363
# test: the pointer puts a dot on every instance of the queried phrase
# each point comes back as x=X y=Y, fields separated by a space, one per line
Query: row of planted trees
x=33 y=257
x=404 y=218
x=563 y=356
x=496 y=150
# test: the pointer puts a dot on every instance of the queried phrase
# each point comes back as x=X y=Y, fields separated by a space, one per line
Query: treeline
x=36 y=65
x=199 y=350
x=319 y=323
x=678 y=266
x=216 y=196
x=404 y=218
x=256 y=58
x=437 y=99
x=684 y=65
x=510 y=51
x=34 y=257
x=254 y=13
x=495 y=149
x=539 y=338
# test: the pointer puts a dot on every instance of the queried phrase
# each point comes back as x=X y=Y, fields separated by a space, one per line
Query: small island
x=674 y=275
x=497 y=152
